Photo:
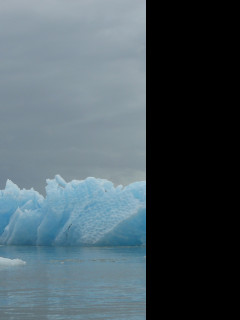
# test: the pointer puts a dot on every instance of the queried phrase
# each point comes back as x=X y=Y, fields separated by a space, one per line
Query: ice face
x=90 y=212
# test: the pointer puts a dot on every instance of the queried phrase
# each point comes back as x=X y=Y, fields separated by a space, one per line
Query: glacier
x=90 y=212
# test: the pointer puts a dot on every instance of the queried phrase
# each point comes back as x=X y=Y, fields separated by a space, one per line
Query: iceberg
x=90 y=212
x=4 y=262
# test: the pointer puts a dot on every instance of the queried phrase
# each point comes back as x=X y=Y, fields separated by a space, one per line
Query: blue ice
x=90 y=212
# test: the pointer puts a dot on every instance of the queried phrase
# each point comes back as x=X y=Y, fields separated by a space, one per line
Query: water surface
x=73 y=283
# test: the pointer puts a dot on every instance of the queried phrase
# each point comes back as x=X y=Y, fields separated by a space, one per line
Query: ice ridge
x=90 y=212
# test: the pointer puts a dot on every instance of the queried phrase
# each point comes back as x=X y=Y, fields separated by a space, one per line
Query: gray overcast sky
x=72 y=90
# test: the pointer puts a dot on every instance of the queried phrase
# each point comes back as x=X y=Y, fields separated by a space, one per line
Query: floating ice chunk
x=11 y=262
x=86 y=212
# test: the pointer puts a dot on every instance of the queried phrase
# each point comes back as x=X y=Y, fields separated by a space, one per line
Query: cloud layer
x=72 y=90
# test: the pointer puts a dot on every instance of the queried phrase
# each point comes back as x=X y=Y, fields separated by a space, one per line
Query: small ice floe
x=11 y=262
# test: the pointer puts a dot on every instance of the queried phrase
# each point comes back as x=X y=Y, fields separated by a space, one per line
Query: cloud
x=72 y=90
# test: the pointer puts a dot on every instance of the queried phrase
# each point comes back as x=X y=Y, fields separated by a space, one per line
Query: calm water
x=74 y=283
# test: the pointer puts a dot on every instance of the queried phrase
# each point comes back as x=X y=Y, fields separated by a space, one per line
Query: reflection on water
x=74 y=283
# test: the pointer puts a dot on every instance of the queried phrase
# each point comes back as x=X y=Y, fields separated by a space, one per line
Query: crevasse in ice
x=90 y=212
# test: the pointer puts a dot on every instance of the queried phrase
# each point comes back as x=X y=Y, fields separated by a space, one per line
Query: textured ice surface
x=11 y=262
x=90 y=212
